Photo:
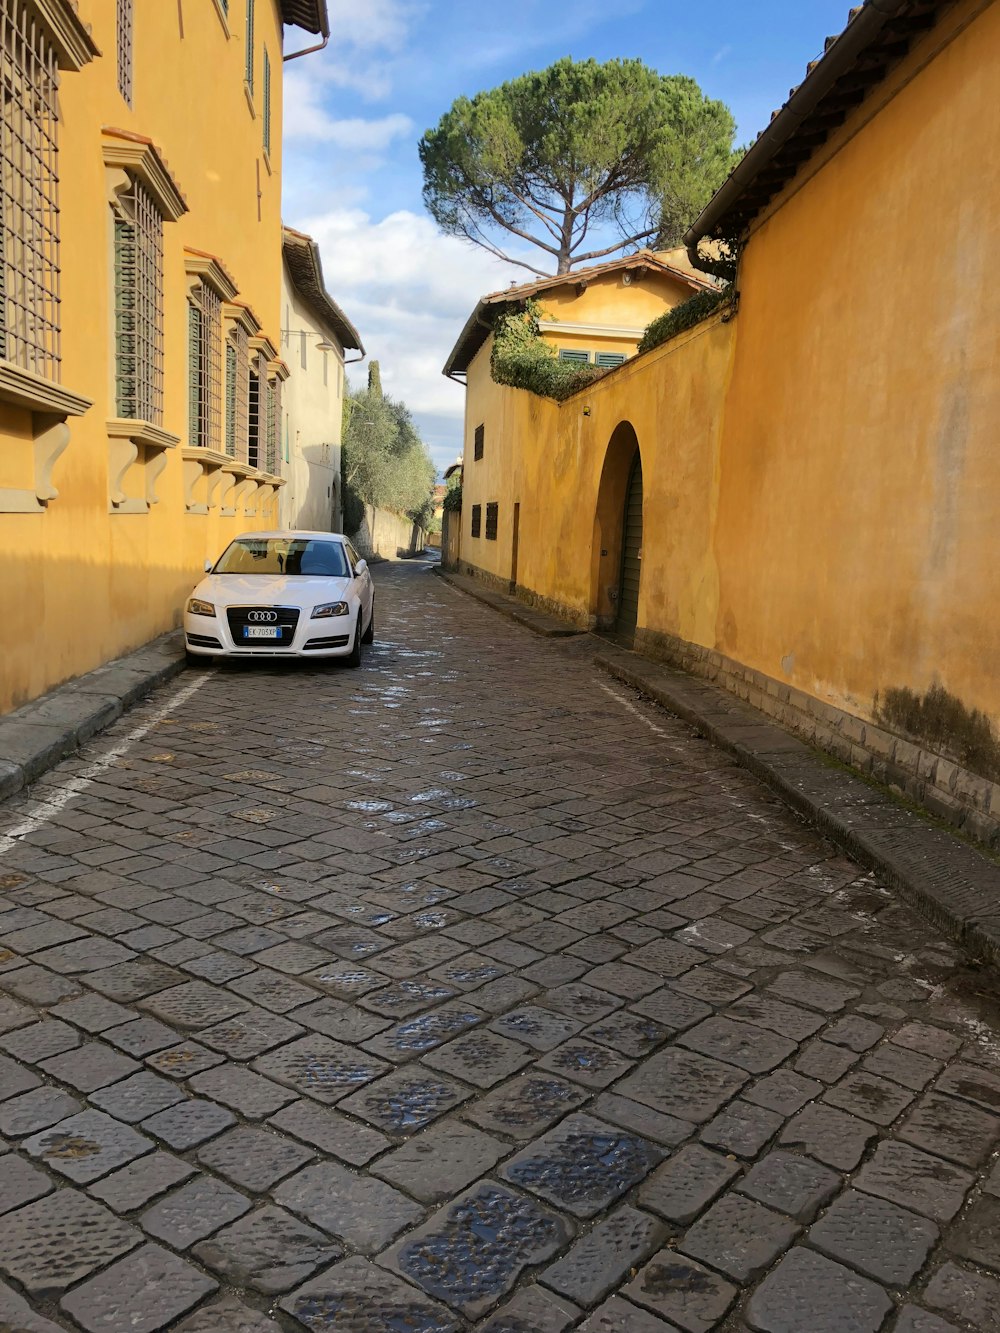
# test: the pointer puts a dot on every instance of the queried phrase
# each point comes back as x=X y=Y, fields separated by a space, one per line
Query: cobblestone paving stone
x=450 y=995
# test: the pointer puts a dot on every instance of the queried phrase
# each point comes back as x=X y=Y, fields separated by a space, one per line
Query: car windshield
x=284 y=555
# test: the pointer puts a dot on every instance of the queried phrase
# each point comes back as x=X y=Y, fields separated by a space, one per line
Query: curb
x=35 y=737
x=549 y=627
x=947 y=880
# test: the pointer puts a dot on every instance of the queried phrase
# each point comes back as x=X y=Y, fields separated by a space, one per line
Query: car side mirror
x=361 y=566
x=208 y=566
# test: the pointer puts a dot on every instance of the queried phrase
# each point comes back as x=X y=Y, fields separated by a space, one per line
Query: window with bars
x=204 y=367
x=477 y=520
x=272 y=446
x=257 y=411
x=125 y=27
x=138 y=258
x=492 y=511
x=479 y=440
x=267 y=102
x=248 y=57
x=29 y=194
x=237 y=394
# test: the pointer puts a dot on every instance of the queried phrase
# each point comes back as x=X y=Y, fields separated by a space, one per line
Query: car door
x=363 y=582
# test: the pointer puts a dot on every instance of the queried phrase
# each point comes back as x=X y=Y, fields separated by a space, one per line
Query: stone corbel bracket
x=135 y=445
x=203 y=466
x=49 y=405
x=234 y=476
x=248 y=495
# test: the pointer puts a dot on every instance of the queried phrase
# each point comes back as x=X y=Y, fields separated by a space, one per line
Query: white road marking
x=627 y=703
x=45 y=810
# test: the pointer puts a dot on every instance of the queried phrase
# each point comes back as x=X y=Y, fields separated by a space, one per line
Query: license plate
x=262 y=631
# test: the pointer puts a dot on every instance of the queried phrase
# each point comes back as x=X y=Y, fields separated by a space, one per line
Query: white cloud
x=306 y=118
x=373 y=24
x=409 y=290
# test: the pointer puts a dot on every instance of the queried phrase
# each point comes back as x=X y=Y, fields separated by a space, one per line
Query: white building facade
x=316 y=337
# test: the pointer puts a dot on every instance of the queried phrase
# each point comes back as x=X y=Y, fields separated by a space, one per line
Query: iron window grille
x=479 y=439
x=258 y=409
x=29 y=194
x=204 y=367
x=272 y=439
x=477 y=520
x=124 y=32
x=238 y=394
x=138 y=258
x=248 y=64
x=491 y=521
x=267 y=102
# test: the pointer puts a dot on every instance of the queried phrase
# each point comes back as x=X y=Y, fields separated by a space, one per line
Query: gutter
x=859 y=34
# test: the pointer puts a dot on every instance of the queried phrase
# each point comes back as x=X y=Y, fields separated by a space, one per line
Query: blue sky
x=355 y=112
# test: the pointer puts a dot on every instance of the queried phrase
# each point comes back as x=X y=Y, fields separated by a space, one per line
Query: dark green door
x=628 y=591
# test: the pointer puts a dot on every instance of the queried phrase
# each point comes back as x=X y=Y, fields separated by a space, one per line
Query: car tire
x=353 y=658
x=369 y=634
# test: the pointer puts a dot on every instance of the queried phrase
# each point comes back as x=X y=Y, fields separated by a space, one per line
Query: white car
x=282 y=594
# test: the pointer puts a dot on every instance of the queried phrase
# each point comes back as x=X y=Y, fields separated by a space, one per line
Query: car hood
x=299 y=590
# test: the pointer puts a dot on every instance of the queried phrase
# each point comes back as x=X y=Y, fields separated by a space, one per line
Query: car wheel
x=354 y=656
x=369 y=634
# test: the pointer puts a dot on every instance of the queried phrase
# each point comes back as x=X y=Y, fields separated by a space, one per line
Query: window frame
x=478 y=442
x=492 y=520
x=476 y=526
x=124 y=40
x=139 y=308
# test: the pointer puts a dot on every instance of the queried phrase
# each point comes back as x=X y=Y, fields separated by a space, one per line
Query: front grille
x=203 y=641
x=339 y=641
x=239 y=618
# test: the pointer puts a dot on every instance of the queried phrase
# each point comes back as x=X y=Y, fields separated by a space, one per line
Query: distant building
x=314 y=337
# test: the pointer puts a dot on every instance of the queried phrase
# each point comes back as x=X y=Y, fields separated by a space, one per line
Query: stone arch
x=622 y=454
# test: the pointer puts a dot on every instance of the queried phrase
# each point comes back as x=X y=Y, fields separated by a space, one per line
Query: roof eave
x=319 y=300
x=310 y=15
x=861 y=32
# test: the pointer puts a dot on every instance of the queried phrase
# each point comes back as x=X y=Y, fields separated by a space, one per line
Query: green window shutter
x=267 y=102
x=607 y=360
x=580 y=358
x=126 y=355
x=195 y=383
x=249 y=45
x=230 y=400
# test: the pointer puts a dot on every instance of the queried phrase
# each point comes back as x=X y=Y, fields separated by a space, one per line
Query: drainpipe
x=860 y=33
x=324 y=19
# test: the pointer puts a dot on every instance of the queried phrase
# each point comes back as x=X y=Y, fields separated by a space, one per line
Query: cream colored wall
x=821 y=499
x=82 y=585
x=313 y=417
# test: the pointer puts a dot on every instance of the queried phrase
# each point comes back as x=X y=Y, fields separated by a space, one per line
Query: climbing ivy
x=522 y=360
x=683 y=316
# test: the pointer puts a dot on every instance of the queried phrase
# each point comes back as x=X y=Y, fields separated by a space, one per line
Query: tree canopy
x=384 y=462
x=577 y=148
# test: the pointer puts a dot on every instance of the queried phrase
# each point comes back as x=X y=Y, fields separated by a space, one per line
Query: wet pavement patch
x=472 y=1252
x=583 y=1165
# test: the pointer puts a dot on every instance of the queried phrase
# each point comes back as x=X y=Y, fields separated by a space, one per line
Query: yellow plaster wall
x=82 y=585
x=821 y=498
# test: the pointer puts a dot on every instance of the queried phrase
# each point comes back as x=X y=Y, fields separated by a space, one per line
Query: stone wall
x=931 y=778
x=384 y=535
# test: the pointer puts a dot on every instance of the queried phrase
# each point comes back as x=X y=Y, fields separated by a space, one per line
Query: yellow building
x=594 y=316
x=807 y=486
x=140 y=383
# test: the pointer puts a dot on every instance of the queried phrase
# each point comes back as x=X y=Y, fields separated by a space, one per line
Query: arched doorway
x=631 y=557
x=616 y=560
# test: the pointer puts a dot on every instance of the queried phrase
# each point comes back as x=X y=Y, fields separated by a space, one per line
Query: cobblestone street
x=468 y=991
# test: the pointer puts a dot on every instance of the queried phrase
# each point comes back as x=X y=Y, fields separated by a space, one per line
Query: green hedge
x=684 y=316
x=521 y=360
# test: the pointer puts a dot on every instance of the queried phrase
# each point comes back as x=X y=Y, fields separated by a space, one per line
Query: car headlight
x=197 y=607
x=330 y=609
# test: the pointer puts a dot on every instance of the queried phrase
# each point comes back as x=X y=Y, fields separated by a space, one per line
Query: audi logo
x=263 y=616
